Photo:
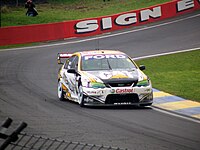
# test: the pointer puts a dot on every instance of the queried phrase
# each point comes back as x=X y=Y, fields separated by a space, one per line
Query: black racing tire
x=81 y=97
x=61 y=96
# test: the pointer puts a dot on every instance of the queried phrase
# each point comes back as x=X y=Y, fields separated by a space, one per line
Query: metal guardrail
x=22 y=141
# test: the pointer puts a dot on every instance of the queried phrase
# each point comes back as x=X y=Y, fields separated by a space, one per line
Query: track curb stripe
x=196 y=116
x=176 y=104
x=161 y=94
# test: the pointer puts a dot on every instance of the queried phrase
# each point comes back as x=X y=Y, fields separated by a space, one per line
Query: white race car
x=103 y=77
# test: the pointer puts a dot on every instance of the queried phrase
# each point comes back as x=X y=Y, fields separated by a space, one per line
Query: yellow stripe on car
x=89 y=77
x=119 y=76
x=64 y=88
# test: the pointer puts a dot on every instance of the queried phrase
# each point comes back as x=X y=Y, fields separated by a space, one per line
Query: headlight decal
x=96 y=85
x=143 y=83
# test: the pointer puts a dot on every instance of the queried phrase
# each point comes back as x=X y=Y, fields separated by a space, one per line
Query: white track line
x=175 y=114
x=162 y=54
x=104 y=36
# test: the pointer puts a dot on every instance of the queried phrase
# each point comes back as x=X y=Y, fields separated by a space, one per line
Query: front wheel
x=60 y=92
x=81 y=96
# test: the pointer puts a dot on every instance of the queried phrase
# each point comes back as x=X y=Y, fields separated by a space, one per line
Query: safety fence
x=22 y=141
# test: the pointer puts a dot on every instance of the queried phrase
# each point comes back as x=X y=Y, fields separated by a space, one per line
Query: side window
x=72 y=62
x=75 y=63
x=69 y=62
x=66 y=64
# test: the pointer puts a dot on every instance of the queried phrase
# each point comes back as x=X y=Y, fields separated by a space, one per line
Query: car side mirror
x=73 y=71
x=142 y=67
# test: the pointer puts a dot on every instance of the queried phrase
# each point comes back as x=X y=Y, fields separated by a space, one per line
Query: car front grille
x=127 y=82
x=120 y=84
x=122 y=98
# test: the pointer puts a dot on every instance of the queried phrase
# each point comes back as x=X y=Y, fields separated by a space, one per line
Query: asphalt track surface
x=28 y=92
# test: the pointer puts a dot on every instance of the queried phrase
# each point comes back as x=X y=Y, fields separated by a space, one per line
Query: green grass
x=63 y=10
x=177 y=74
x=18 y=46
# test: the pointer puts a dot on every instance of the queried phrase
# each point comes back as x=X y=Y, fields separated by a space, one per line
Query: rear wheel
x=60 y=92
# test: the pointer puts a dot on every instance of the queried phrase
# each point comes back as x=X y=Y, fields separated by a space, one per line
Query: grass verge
x=18 y=46
x=177 y=74
x=62 y=10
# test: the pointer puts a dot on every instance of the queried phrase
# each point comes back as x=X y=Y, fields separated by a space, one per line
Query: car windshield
x=106 y=62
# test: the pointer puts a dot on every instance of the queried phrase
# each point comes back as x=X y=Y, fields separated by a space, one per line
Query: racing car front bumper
x=141 y=96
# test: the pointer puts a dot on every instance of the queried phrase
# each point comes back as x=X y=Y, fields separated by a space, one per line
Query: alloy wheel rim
x=59 y=90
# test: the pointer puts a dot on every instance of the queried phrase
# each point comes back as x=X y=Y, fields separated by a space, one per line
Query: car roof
x=98 y=52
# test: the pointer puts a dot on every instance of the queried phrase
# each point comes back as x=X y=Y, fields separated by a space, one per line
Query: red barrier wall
x=94 y=26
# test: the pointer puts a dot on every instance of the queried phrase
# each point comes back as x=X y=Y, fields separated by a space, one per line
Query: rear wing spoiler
x=62 y=55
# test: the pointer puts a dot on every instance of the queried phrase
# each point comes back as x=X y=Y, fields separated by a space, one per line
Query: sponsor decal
x=99 y=92
x=105 y=75
x=145 y=15
x=103 y=56
x=127 y=19
x=121 y=91
x=185 y=5
x=119 y=76
x=112 y=91
x=87 y=26
x=91 y=92
x=131 y=18
x=114 y=75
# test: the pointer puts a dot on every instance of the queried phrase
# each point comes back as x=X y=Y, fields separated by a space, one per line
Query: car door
x=71 y=77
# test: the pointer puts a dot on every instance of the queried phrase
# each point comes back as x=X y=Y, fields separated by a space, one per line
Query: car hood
x=114 y=76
